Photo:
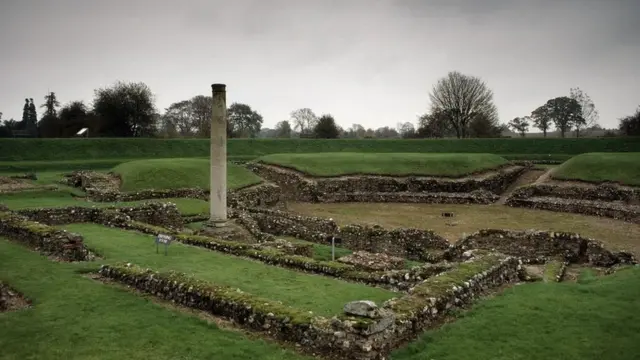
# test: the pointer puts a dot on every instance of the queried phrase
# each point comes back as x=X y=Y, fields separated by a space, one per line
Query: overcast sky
x=364 y=61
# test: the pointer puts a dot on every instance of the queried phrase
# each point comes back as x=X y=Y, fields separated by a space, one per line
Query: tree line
x=461 y=106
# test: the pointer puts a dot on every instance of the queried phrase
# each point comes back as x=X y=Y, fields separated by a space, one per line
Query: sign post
x=334 y=241
x=163 y=239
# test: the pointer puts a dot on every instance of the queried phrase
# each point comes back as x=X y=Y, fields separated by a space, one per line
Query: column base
x=226 y=230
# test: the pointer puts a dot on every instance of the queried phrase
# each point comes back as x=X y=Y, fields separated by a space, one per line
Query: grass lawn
x=178 y=173
x=596 y=318
x=470 y=218
x=394 y=164
x=52 y=199
x=322 y=295
x=78 y=318
x=623 y=168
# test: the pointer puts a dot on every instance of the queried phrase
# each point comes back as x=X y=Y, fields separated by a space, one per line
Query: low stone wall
x=369 y=335
x=602 y=192
x=154 y=213
x=60 y=244
x=263 y=195
x=404 y=242
x=540 y=246
x=99 y=195
x=428 y=303
x=301 y=188
x=414 y=244
x=316 y=335
x=481 y=197
x=630 y=213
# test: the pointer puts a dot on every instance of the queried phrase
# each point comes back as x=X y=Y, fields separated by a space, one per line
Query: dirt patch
x=11 y=300
x=467 y=219
x=8 y=185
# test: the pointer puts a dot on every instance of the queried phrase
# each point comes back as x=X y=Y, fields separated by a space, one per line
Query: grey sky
x=364 y=61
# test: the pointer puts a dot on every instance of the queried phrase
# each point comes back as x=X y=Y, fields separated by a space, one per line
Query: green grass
x=78 y=318
x=143 y=148
x=397 y=164
x=590 y=320
x=178 y=173
x=322 y=295
x=55 y=199
x=623 y=168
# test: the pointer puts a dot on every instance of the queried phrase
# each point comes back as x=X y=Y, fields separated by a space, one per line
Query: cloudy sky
x=371 y=62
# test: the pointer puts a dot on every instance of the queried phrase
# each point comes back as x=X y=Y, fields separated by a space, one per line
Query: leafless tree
x=304 y=120
x=589 y=112
x=462 y=98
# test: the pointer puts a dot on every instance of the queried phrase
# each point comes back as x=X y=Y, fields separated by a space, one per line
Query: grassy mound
x=395 y=164
x=178 y=173
x=623 y=168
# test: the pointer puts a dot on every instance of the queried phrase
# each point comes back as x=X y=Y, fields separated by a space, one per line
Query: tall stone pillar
x=218 y=186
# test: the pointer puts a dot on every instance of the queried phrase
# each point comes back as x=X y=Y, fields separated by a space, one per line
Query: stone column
x=218 y=195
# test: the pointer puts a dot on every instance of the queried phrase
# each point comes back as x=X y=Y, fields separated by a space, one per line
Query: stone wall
x=427 y=303
x=481 y=197
x=313 y=334
x=101 y=187
x=541 y=246
x=605 y=200
x=301 y=188
x=614 y=210
x=99 y=195
x=362 y=336
x=414 y=244
x=404 y=242
x=602 y=192
x=154 y=213
x=60 y=244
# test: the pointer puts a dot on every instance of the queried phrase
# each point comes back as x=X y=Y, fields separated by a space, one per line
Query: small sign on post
x=163 y=239
x=334 y=240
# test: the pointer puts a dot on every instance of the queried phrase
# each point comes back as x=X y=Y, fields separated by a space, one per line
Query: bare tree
x=462 y=98
x=304 y=120
x=406 y=130
x=589 y=112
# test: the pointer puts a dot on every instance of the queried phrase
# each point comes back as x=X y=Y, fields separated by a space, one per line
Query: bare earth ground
x=470 y=218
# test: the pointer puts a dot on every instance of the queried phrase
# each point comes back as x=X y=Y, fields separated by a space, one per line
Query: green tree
x=520 y=125
x=74 y=117
x=484 y=126
x=243 y=121
x=434 y=125
x=463 y=98
x=125 y=110
x=283 y=129
x=630 y=125
x=542 y=119
x=565 y=113
x=326 y=128
x=50 y=105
